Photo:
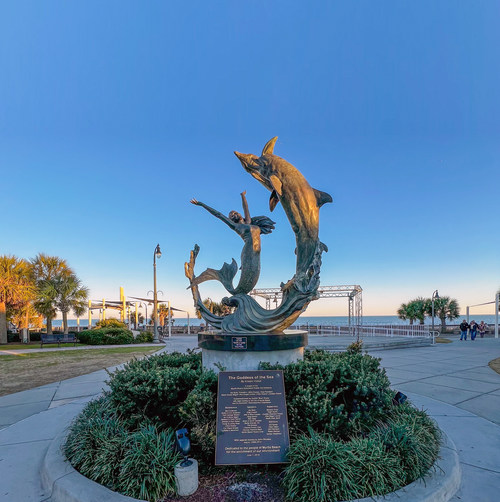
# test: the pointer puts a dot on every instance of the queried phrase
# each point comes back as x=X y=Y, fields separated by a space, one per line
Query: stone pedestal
x=186 y=478
x=244 y=352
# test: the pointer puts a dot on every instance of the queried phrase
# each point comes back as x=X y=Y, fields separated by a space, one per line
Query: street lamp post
x=157 y=253
x=435 y=295
x=169 y=321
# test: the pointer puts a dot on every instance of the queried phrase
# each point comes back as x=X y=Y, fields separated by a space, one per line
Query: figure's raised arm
x=244 y=203
x=216 y=213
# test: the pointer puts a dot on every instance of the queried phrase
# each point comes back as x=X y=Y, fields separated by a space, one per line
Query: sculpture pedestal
x=244 y=352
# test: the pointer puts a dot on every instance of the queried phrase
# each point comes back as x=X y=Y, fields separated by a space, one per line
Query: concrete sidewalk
x=451 y=381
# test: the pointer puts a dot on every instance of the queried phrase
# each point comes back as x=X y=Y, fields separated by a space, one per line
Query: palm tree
x=444 y=308
x=413 y=310
x=163 y=313
x=45 y=270
x=16 y=288
x=420 y=304
x=69 y=294
x=140 y=319
x=408 y=312
x=217 y=308
x=79 y=310
x=208 y=303
x=220 y=308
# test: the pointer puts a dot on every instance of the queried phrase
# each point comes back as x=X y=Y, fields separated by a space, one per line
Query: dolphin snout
x=242 y=156
x=246 y=159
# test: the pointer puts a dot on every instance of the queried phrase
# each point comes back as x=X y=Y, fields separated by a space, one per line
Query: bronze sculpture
x=301 y=204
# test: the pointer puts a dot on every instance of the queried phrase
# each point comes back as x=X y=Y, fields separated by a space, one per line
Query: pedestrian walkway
x=456 y=373
x=451 y=381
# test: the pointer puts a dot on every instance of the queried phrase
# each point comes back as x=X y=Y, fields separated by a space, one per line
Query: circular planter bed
x=349 y=439
x=65 y=484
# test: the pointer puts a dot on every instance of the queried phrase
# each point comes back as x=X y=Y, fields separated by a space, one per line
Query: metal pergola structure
x=353 y=293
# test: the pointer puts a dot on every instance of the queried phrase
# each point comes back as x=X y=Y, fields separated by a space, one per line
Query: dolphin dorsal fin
x=322 y=197
x=269 y=146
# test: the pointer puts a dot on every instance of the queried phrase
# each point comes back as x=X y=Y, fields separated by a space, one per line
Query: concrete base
x=244 y=352
x=248 y=361
x=186 y=478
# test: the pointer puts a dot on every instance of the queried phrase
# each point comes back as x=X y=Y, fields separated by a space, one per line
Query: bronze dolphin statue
x=300 y=202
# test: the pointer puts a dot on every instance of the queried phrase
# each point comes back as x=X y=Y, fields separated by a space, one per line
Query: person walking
x=482 y=329
x=473 y=330
x=464 y=326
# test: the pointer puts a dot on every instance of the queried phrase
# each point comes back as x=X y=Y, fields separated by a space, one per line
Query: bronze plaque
x=252 y=424
x=239 y=343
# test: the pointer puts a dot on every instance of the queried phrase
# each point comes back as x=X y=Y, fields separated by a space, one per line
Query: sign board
x=252 y=424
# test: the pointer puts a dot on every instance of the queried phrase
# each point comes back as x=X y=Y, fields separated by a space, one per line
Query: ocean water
x=320 y=320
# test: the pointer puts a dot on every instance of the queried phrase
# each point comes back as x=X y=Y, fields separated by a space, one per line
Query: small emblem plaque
x=239 y=343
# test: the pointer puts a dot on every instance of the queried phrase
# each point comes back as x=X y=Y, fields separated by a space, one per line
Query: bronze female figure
x=250 y=230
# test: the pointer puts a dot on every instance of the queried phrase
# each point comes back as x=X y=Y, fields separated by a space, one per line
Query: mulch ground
x=495 y=365
x=232 y=487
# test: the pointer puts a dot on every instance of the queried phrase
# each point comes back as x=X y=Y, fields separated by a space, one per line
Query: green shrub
x=144 y=337
x=136 y=463
x=198 y=412
x=106 y=336
x=96 y=443
x=357 y=444
x=336 y=393
x=147 y=468
x=17 y=337
x=392 y=455
x=35 y=337
x=111 y=323
x=412 y=436
x=155 y=387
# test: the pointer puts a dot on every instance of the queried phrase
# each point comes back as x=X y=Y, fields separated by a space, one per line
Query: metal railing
x=362 y=331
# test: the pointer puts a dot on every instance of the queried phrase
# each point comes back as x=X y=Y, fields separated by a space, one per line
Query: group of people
x=473 y=328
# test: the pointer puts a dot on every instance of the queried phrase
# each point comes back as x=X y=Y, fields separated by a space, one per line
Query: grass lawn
x=26 y=371
x=495 y=364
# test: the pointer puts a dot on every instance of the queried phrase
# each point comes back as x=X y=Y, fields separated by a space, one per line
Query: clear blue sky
x=114 y=114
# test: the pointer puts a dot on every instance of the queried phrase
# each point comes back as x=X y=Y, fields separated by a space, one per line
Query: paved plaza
x=453 y=382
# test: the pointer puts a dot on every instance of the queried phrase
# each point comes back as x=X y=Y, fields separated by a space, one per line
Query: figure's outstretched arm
x=244 y=203
x=216 y=213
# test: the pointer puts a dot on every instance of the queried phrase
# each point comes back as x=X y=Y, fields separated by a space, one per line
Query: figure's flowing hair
x=265 y=224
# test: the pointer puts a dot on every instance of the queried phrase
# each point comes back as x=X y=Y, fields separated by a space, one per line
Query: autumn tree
x=16 y=289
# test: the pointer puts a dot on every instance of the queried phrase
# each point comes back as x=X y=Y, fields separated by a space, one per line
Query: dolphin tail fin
x=322 y=197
